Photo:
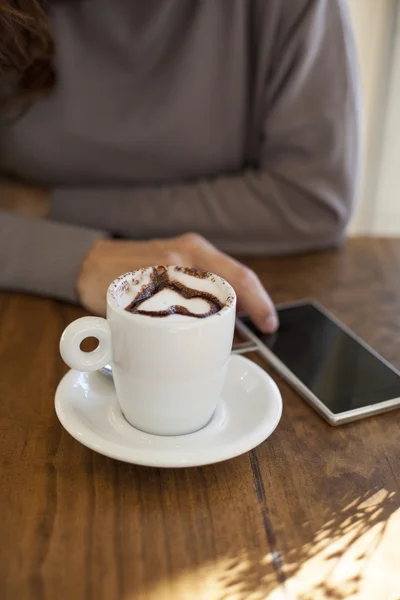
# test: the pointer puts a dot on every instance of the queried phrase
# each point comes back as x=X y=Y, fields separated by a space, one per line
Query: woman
x=236 y=119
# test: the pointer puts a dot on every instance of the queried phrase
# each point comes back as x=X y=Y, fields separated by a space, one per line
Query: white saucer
x=250 y=410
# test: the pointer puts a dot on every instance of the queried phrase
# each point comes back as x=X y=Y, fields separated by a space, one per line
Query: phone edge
x=330 y=417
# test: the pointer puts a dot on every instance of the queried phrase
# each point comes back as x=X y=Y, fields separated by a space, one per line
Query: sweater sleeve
x=299 y=196
x=42 y=257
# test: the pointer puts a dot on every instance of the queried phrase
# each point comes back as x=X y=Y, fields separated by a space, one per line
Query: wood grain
x=333 y=494
x=312 y=513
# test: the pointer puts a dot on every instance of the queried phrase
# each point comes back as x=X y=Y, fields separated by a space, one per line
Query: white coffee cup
x=168 y=371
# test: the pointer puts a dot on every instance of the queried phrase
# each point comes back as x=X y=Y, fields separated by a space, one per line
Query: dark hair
x=26 y=53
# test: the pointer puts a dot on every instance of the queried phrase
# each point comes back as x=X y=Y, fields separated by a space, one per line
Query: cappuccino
x=174 y=292
x=168 y=336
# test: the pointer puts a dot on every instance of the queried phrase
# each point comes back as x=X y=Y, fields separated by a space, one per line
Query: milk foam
x=130 y=285
x=166 y=298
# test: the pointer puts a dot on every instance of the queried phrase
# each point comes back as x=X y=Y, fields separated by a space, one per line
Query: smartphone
x=326 y=363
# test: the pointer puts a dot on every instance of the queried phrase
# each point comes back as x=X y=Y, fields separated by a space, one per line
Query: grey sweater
x=234 y=118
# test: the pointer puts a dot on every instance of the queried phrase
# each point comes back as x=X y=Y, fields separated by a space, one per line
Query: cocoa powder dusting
x=160 y=280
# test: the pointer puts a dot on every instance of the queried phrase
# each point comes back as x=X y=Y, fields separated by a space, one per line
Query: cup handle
x=74 y=335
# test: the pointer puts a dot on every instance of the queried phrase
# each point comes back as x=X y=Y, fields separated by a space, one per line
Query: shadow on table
x=332 y=563
x=194 y=542
x=336 y=560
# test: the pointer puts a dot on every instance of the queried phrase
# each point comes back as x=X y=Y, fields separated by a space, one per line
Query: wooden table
x=312 y=513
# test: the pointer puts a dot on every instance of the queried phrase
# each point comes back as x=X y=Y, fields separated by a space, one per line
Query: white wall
x=387 y=205
x=373 y=25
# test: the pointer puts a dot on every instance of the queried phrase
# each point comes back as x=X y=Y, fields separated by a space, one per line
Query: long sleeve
x=42 y=257
x=298 y=194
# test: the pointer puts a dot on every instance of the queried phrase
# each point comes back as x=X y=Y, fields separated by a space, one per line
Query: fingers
x=252 y=296
x=255 y=300
x=108 y=259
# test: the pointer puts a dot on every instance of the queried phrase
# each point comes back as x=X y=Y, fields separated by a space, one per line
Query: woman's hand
x=26 y=200
x=109 y=258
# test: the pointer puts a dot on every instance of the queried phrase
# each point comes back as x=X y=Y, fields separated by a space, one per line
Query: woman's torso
x=146 y=93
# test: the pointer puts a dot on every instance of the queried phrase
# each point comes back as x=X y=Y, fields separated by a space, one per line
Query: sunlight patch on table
x=353 y=556
x=244 y=577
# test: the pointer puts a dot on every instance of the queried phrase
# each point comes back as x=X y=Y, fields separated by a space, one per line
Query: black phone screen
x=334 y=366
